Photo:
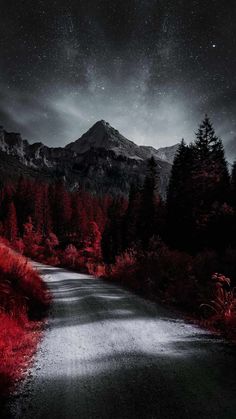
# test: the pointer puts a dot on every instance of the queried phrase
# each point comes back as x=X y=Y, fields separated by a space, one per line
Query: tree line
x=199 y=212
x=173 y=245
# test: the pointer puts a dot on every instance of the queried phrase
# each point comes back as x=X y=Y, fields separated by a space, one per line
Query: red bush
x=23 y=299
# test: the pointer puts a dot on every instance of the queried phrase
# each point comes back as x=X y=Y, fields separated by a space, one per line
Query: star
x=137 y=63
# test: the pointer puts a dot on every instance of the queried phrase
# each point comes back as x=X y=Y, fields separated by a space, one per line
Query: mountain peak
x=103 y=135
x=102 y=153
x=100 y=125
x=102 y=122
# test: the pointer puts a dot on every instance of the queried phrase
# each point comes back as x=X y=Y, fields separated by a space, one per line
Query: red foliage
x=31 y=239
x=18 y=342
x=221 y=309
x=82 y=231
x=52 y=225
x=10 y=227
x=23 y=300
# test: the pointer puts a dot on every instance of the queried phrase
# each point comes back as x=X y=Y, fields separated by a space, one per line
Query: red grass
x=23 y=301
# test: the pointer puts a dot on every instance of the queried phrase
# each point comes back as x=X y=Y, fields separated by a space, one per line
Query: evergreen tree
x=23 y=201
x=232 y=231
x=148 y=204
x=130 y=221
x=112 y=237
x=180 y=197
x=42 y=211
x=75 y=219
x=11 y=229
x=62 y=212
x=93 y=241
x=211 y=174
x=221 y=177
x=233 y=186
x=7 y=196
x=211 y=185
x=205 y=138
x=31 y=239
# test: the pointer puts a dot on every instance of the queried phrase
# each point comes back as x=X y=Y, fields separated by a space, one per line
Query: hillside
x=101 y=161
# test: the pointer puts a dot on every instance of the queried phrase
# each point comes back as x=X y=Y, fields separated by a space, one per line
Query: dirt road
x=109 y=354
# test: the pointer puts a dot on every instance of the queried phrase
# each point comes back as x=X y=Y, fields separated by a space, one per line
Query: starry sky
x=151 y=68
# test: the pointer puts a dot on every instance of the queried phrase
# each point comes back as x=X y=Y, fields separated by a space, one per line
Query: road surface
x=108 y=353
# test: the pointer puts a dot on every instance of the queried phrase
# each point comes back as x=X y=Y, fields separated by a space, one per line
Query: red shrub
x=23 y=298
x=126 y=269
x=221 y=309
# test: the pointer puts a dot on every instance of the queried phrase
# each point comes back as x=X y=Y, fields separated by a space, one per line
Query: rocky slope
x=102 y=160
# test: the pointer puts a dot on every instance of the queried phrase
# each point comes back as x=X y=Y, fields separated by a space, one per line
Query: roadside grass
x=183 y=282
x=24 y=300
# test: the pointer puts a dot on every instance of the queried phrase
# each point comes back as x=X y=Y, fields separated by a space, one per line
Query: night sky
x=151 y=68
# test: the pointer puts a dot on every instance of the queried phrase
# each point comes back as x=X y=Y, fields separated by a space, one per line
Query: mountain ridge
x=102 y=160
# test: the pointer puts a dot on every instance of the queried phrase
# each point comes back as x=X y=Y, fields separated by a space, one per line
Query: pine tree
x=31 y=238
x=148 y=204
x=180 y=199
x=211 y=174
x=76 y=205
x=130 y=221
x=42 y=211
x=62 y=212
x=205 y=138
x=93 y=242
x=112 y=237
x=11 y=229
x=181 y=171
x=221 y=177
x=233 y=186
x=7 y=196
x=23 y=201
x=212 y=184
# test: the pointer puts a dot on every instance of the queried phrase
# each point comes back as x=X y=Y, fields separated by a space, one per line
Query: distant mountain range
x=101 y=161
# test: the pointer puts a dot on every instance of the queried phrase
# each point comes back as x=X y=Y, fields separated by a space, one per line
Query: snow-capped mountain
x=102 y=160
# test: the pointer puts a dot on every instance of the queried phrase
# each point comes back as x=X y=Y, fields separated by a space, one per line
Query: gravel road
x=108 y=353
